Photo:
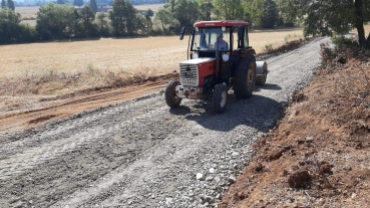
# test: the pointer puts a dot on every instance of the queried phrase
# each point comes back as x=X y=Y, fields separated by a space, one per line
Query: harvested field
x=41 y=71
x=155 y=54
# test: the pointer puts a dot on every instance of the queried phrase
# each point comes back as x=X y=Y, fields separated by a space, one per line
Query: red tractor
x=216 y=64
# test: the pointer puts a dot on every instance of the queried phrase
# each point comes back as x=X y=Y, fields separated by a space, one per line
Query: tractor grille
x=189 y=74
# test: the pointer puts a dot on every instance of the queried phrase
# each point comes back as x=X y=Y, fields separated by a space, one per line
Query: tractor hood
x=197 y=61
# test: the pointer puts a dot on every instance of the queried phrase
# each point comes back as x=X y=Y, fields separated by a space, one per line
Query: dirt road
x=142 y=154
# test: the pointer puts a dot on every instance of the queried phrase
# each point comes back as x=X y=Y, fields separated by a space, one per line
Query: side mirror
x=182 y=33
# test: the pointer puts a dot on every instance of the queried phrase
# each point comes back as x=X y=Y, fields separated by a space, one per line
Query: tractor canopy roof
x=222 y=23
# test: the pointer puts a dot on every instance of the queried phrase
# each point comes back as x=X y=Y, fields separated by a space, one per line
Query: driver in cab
x=221 y=43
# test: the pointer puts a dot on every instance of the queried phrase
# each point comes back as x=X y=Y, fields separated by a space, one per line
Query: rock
x=200 y=177
x=235 y=154
x=218 y=196
x=326 y=167
x=209 y=178
x=298 y=178
x=231 y=180
x=168 y=201
x=212 y=170
x=208 y=199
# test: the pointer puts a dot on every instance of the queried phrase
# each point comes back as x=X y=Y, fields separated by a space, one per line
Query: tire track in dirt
x=67 y=107
x=67 y=128
x=50 y=150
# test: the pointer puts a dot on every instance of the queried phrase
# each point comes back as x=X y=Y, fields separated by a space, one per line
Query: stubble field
x=151 y=54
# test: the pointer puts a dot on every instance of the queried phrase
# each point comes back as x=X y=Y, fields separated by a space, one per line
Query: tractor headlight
x=225 y=57
x=195 y=56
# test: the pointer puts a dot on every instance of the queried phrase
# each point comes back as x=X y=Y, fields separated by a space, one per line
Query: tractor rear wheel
x=219 y=98
x=245 y=77
x=170 y=94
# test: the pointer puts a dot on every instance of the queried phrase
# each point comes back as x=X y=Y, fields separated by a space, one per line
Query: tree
x=103 y=23
x=263 y=13
x=270 y=14
x=124 y=18
x=93 y=6
x=229 y=9
x=87 y=17
x=131 y=19
x=3 y=4
x=11 y=29
x=164 y=16
x=56 y=21
x=117 y=16
x=206 y=10
x=149 y=12
x=330 y=16
x=186 y=12
x=148 y=23
x=78 y=2
x=11 y=5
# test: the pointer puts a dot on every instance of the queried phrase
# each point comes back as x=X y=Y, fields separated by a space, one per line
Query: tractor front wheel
x=245 y=77
x=170 y=94
x=219 y=98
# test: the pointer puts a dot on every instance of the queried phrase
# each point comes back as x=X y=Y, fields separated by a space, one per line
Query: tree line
x=64 y=21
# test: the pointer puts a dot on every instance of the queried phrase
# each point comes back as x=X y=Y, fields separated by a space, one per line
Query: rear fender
x=247 y=52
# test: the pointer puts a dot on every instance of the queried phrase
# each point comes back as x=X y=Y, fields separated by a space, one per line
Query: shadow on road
x=268 y=87
x=258 y=112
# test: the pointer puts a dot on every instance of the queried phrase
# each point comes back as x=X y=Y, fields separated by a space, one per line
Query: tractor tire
x=219 y=98
x=245 y=77
x=170 y=94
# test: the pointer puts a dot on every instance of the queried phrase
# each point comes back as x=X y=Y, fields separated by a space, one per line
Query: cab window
x=205 y=39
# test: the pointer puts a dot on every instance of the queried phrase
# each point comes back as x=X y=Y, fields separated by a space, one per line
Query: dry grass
x=27 y=11
x=154 y=54
x=318 y=155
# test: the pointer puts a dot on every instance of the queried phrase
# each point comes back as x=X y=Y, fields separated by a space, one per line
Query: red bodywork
x=225 y=23
x=204 y=70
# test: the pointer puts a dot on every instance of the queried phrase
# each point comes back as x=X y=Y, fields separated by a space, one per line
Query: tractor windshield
x=208 y=39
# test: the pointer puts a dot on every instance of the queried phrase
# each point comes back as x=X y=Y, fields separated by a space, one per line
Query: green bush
x=342 y=42
x=269 y=47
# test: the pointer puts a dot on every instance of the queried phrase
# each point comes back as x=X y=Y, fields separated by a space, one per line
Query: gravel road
x=142 y=154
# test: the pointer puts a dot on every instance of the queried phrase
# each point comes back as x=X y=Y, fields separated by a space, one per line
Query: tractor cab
x=218 y=58
x=208 y=37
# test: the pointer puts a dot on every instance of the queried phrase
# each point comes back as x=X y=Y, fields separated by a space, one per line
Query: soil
x=68 y=105
x=140 y=153
x=318 y=155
